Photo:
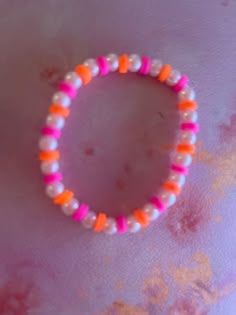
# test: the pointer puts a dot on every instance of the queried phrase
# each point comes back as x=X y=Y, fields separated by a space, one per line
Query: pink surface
x=114 y=155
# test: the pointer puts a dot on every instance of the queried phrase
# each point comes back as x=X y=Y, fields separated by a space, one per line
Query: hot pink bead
x=146 y=65
x=194 y=127
x=52 y=178
x=121 y=224
x=180 y=169
x=81 y=213
x=158 y=203
x=48 y=131
x=183 y=81
x=103 y=65
x=67 y=89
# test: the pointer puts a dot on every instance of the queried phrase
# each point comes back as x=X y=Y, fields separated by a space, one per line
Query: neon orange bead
x=186 y=148
x=165 y=72
x=100 y=222
x=59 y=110
x=187 y=105
x=123 y=64
x=64 y=197
x=172 y=187
x=141 y=217
x=49 y=156
x=85 y=73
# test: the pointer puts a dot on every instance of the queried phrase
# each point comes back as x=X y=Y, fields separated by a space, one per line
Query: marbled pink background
x=115 y=150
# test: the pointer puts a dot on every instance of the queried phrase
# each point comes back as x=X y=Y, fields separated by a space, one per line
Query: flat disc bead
x=49 y=167
x=62 y=99
x=55 y=121
x=156 y=66
x=73 y=79
x=54 y=189
x=113 y=62
x=47 y=143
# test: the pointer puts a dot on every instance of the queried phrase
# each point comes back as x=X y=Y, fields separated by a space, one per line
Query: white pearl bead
x=167 y=197
x=55 y=121
x=187 y=137
x=47 y=143
x=49 y=167
x=186 y=94
x=155 y=67
x=176 y=178
x=73 y=79
x=151 y=211
x=113 y=62
x=61 y=98
x=134 y=63
x=110 y=227
x=54 y=189
x=182 y=159
x=70 y=207
x=173 y=77
x=188 y=116
x=133 y=225
x=93 y=66
x=89 y=220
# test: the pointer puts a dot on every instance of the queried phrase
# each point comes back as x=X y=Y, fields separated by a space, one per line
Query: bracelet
x=181 y=157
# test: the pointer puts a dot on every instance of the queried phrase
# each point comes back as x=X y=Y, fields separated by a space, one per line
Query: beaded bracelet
x=181 y=157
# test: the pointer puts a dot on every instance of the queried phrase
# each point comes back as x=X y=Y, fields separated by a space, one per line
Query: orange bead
x=123 y=64
x=64 y=197
x=49 y=156
x=59 y=110
x=141 y=217
x=85 y=73
x=187 y=105
x=100 y=222
x=186 y=148
x=172 y=187
x=165 y=72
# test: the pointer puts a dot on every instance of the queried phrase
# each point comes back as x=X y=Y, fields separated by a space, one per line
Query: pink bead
x=103 y=65
x=146 y=65
x=158 y=203
x=180 y=169
x=48 y=131
x=67 y=89
x=52 y=178
x=183 y=81
x=81 y=213
x=121 y=224
x=194 y=127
